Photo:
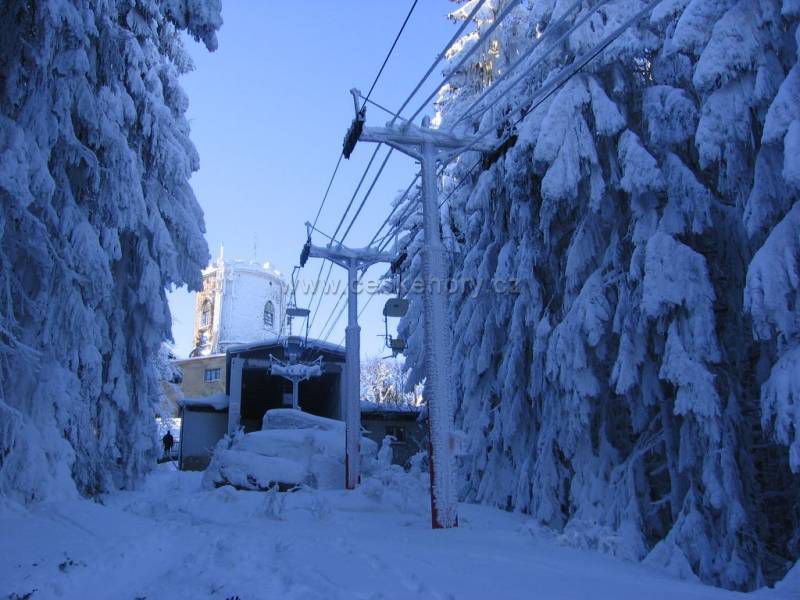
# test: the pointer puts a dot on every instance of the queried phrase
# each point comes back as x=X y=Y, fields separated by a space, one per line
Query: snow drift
x=293 y=448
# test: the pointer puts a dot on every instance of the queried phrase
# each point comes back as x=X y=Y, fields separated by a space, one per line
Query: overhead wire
x=395 y=116
x=443 y=53
x=437 y=60
x=372 y=87
x=369 y=191
x=349 y=227
x=366 y=170
x=366 y=99
x=333 y=241
x=549 y=88
x=389 y=54
x=381 y=247
x=355 y=193
x=508 y=88
x=328 y=189
x=361 y=312
x=397 y=205
x=325 y=337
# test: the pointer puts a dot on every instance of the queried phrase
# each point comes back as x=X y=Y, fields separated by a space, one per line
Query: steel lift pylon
x=430 y=147
x=354 y=260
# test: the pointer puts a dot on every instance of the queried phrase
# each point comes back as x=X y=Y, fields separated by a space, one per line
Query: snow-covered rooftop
x=240 y=264
x=279 y=341
x=369 y=406
x=216 y=401
x=200 y=357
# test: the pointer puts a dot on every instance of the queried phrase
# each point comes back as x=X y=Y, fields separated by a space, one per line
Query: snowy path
x=173 y=540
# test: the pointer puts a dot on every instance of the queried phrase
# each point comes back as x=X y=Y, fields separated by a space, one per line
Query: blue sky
x=268 y=111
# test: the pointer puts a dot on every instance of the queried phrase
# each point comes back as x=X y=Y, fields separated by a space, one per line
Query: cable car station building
x=243 y=365
x=251 y=389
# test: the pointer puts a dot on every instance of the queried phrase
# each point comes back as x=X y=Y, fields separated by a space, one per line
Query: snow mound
x=251 y=471
x=289 y=418
x=293 y=449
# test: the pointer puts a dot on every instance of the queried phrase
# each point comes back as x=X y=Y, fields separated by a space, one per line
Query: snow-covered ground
x=174 y=539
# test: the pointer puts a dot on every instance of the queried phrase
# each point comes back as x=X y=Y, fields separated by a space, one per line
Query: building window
x=205 y=314
x=211 y=375
x=269 y=314
x=397 y=432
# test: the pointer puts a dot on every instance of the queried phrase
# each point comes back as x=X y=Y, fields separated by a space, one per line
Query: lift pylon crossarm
x=410 y=139
x=298 y=371
x=343 y=256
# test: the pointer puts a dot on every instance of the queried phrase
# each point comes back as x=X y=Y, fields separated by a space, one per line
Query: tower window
x=205 y=314
x=269 y=314
x=210 y=375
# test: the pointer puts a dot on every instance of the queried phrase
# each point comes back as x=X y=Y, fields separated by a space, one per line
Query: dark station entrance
x=261 y=391
x=320 y=396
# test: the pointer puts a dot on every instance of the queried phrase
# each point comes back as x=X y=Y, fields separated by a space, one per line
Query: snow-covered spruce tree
x=772 y=290
x=603 y=354
x=383 y=383
x=97 y=219
x=169 y=377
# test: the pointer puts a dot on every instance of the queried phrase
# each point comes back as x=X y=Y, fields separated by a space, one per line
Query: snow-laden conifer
x=97 y=220
x=614 y=393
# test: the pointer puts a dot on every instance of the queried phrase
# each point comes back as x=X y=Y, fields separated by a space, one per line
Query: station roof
x=279 y=342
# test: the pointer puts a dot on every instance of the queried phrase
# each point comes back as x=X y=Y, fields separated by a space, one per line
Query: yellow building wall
x=194 y=384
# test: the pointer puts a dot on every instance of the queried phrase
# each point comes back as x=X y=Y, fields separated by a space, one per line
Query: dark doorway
x=262 y=392
x=320 y=396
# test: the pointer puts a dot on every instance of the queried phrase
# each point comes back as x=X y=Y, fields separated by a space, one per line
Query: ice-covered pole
x=353 y=392
x=437 y=334
x=430 y=147
x=354 y=260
